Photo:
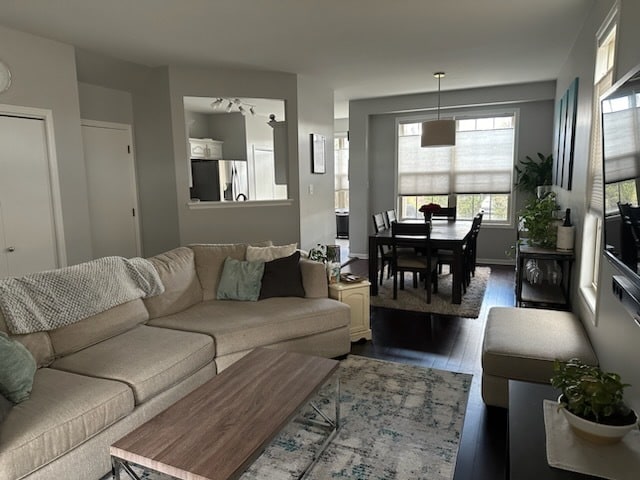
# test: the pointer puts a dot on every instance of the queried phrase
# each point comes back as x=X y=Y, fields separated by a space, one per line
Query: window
x=624 y=189
x=475 y=175
x=341 y=147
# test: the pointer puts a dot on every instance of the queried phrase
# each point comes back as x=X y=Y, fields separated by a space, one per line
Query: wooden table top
x=220 y=428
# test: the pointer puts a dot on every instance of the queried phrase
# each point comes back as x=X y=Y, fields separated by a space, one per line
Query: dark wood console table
x=545 y=294
x=527 y=445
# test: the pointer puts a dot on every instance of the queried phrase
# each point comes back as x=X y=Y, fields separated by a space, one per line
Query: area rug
x=415 y=299
x=398 y=422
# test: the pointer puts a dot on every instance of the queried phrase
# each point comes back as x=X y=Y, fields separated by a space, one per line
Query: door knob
x=11 y=249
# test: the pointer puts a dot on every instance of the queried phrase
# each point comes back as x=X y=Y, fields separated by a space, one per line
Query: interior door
x=27 y=232
x=111 y=184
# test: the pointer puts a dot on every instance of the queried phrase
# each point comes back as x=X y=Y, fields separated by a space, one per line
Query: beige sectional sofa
x=105 y=375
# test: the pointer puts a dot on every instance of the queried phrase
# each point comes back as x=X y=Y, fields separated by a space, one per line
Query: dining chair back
x=450 y=213
x=420 y=261
x=471 y=250
x=378 y=222
x=391 y=216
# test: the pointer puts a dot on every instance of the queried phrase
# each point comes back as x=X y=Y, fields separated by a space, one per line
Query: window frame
x=466 y=114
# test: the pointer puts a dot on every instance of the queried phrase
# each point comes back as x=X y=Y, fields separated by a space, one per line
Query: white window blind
x=622 y=150
x=481 y=161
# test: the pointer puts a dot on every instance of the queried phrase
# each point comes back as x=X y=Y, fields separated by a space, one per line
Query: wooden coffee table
x=220 y=428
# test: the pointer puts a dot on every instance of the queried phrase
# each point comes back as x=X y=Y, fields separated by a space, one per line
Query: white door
x=111 y=185
x=27 y=231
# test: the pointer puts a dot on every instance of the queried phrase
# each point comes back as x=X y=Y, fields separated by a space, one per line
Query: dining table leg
x=373 y=266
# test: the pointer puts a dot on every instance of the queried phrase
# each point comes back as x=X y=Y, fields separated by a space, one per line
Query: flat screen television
x=621 y=174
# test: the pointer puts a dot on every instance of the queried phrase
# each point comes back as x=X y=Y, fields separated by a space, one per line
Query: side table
x=356 y=295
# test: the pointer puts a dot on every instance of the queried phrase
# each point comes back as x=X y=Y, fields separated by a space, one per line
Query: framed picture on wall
x=317 y=153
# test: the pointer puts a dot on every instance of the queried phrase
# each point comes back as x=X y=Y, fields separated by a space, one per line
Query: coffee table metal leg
x=116 y=463
x=333 y=423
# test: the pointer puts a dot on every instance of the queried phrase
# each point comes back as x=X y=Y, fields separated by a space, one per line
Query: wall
x=614 y=335
x=315 y=115
x=234 y=222
x=372 y=151
x=232 y=130
x=155 y=162
x=105 y=104
x=44 y=76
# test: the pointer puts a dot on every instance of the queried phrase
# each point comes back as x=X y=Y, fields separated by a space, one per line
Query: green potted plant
x=593 y=401
x=538 y=220
x=535 y=175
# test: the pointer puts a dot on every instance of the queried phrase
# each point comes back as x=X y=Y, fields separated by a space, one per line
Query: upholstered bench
x=522 y=344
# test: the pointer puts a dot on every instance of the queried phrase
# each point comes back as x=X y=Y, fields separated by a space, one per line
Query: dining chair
x=471 y=251
x=385 y=251
x=423 y=263
x=450 y=213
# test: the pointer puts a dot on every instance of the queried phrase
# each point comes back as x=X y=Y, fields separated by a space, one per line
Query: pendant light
x=438 y=133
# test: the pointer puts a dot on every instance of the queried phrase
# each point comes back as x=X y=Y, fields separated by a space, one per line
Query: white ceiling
x=360 y=48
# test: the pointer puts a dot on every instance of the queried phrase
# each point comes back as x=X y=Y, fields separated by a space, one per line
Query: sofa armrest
x=314 y=279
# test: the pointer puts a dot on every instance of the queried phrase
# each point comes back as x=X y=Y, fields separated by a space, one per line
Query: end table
x=356 y=295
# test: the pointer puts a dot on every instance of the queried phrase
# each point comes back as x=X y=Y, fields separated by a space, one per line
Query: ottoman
x=522 y=344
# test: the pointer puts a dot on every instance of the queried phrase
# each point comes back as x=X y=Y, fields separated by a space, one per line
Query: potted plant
x=538 y=221
x=535 y=175
x=592 y=401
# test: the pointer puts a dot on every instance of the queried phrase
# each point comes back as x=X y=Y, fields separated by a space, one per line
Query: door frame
x=46 y=115
x=134 y=180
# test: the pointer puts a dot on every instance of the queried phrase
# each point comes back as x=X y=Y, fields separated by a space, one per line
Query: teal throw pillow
x=17 y=371
x=240 y=280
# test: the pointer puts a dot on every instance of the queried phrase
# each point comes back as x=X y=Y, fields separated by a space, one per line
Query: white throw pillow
x=266 y=254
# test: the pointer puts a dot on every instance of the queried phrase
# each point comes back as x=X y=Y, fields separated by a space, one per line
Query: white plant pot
x=597 y=432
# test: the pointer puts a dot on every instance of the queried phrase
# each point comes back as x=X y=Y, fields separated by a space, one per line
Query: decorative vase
x=598 y=433
x=428 y=216
x=333 y=263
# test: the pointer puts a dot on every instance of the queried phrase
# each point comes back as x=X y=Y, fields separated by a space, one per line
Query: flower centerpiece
x=428 y=210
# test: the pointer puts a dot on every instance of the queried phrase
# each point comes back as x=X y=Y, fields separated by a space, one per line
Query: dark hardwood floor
x=449 y=343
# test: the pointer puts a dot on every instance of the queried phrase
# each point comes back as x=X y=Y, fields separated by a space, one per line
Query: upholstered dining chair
x=391 y=216
x=403 y=260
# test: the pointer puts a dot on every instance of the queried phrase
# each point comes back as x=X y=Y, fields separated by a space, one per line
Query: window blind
x=481 y=161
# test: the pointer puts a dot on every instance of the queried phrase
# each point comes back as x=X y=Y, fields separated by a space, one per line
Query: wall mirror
x=237 y=149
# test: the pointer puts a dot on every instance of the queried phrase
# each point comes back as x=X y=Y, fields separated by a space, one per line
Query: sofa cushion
x=5 y=407
x=148 y=359
x=266 y=254
x=17 y=368
x=177 y=270
x=96 y=328
x=240 y=280
x=38 y=343
x=282 y=278
x=314 y=279
x=209 y=261
x=238 y=326
x=63 y=411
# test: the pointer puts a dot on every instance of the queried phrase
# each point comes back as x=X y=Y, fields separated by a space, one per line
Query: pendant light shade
x=438 y=133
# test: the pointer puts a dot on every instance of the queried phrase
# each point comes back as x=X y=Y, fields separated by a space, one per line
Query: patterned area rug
x=398 y=422
x=415 y=299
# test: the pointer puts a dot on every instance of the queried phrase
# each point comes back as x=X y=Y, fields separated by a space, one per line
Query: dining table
x=445 y=234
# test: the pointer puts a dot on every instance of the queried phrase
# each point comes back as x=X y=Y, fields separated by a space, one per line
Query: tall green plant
x=533 y=173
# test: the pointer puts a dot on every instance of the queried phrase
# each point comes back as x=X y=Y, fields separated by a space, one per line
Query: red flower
x=430 y=208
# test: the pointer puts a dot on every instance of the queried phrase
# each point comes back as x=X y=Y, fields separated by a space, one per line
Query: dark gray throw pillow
x=5 y=407
x=282 y=278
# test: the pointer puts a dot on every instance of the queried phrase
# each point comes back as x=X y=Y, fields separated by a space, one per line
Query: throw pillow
x=5 y=407
x=240 y=280
x=282 y=278
x=18 y=369
x=266 y=254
